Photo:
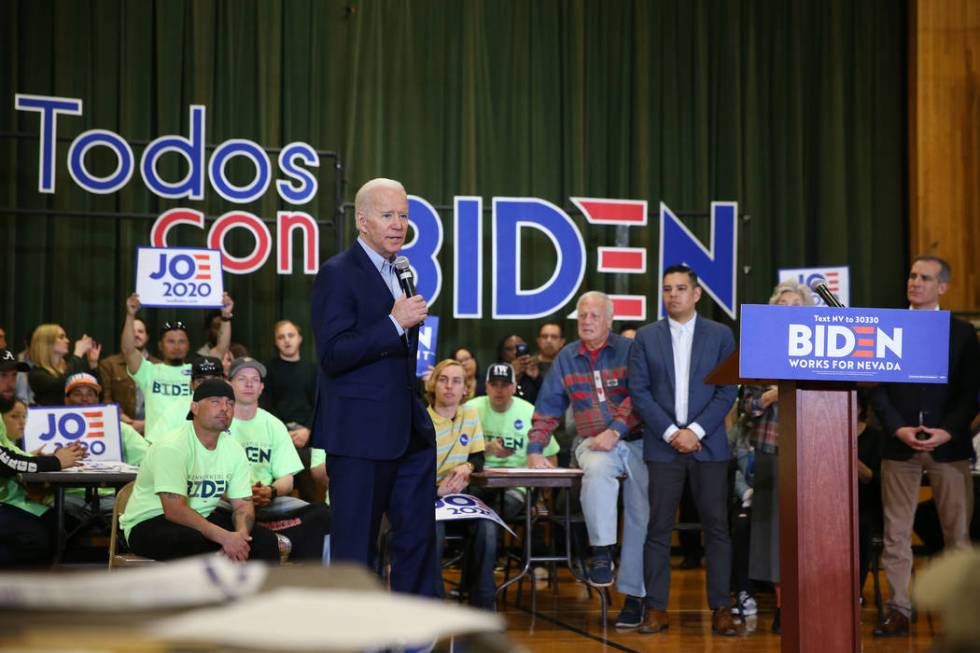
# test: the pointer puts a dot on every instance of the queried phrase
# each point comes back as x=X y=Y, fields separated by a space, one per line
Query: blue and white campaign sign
x=95 y=427
x=428 y=337
x=843 y=344
x=838 y=280
x=179 y=277
x=465 y=506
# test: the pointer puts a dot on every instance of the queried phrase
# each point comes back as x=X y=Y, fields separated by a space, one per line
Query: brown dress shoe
x=654 y=621
x=895 y=623
x=722 y=622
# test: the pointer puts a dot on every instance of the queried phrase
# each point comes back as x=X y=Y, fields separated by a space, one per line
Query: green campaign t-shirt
x=512 y=427
x=163 y=386
x=13 y=493
x=134 y=445
x=267 y=445
x=173 y=417
x=180 y=464
x=317 y=457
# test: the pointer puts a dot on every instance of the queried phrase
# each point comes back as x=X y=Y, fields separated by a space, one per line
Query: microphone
x=819 y=286
x=405 y=277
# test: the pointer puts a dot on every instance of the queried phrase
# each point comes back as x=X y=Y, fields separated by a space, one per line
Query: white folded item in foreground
x=323 y=620
x=192 y=581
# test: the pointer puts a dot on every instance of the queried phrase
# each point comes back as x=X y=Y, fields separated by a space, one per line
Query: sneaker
x=745 y=605
x=631 y=616
x=601 y=567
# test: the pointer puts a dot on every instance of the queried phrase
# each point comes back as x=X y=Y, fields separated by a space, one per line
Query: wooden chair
x=122 y=559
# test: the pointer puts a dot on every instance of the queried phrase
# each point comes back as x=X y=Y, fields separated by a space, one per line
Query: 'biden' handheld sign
x=179 y=277
x=465 y=506
x=843 y=344
x=94 y=427
x=428 y=336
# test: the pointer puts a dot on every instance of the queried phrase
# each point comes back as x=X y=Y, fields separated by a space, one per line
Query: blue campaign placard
x=843 y=344
x=428 y=337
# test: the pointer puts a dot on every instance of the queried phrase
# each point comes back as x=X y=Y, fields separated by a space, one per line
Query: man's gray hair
x=790 y=285
x=943 y=265
x=365 y=195
x=599 y=295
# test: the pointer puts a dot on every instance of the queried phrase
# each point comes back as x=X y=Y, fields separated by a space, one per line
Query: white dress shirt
x=682 y=340
x=388 y=275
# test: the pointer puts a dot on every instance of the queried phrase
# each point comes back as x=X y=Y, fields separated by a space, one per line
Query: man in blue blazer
x=684 y=439
x=379 y=439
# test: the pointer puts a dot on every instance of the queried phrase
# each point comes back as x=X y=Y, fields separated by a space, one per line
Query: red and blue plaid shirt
x=765 y=421
x=572 y=380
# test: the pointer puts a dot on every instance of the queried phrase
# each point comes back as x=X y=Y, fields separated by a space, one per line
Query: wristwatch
x=275 y=491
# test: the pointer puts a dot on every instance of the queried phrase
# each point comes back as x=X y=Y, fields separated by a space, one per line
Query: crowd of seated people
x=248 y=424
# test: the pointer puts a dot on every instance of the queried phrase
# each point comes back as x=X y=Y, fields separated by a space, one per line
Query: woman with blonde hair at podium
x=761 y=405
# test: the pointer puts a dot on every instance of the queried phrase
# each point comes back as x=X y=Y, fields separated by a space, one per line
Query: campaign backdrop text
x=296 y=184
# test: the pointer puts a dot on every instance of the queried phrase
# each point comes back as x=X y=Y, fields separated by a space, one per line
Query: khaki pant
x=952 y=489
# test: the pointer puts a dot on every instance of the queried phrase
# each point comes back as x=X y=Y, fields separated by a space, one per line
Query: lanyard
x=597 y=375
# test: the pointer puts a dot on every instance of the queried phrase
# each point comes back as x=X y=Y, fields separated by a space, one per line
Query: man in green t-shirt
x=506 y=420
x=274 y=461
x=172 y=511
x=167 y=383
x=175 y=414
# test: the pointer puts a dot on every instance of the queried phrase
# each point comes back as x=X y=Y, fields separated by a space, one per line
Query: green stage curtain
x=796 y=110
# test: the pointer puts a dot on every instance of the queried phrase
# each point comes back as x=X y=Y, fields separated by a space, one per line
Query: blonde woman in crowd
x=53 y=364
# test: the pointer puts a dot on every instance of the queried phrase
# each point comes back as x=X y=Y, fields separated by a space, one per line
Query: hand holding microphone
x=409 y=309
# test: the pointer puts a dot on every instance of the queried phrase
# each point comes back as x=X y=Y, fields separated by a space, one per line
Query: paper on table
x=191 y=581
x=325 y=619
x=521 y=471
x=103 y=466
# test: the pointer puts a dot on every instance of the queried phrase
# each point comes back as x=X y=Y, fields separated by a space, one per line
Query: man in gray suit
x=684 y=438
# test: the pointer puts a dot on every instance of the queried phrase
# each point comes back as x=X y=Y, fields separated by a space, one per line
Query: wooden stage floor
x=569 y=623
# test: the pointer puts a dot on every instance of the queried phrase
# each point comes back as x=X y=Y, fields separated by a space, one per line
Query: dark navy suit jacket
x=652 y=386
x=367 y=404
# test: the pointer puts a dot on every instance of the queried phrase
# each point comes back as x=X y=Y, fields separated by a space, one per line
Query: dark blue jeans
x=480 y=538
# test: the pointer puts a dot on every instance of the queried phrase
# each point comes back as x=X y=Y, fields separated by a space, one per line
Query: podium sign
x=809 y=343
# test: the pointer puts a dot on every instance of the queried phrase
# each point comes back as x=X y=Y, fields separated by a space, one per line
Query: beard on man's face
x=7 y=402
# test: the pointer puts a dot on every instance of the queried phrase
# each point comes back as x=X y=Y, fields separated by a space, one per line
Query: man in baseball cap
x=506 y=420
x=83 y=389
x=9 y=366
x=275 y=463
x=205 y=367
x=173 y=511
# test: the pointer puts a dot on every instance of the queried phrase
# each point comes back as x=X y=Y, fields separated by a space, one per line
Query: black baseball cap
x=173 y=325
x=9 y=362
x=501 y=372
x=212 y=388
x=207 y=366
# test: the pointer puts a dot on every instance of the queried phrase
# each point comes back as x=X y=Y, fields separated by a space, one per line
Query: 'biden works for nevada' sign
x=843 y=344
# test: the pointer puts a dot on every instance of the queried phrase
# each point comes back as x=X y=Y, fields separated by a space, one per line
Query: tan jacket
x=117 y=385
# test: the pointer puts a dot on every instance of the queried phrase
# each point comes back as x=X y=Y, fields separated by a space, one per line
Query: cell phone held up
x=522 y=349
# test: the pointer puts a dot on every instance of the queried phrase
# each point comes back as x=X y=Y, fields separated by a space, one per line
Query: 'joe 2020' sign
x=297 y=185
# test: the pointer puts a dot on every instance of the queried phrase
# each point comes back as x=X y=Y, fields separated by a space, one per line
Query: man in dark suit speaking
x=370 y=420
x=684 y=438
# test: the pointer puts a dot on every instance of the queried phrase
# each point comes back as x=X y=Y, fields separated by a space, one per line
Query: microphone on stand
x=819 y=286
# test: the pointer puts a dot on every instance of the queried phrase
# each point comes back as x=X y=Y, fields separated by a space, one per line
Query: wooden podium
x=818 y=525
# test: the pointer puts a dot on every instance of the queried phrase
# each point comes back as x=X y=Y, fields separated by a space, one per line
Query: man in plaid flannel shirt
x=591 y=375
